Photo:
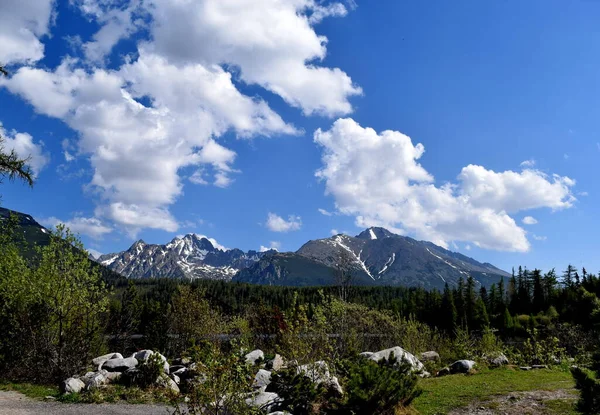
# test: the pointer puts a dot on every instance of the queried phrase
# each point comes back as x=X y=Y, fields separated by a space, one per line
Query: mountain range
x=376 y=256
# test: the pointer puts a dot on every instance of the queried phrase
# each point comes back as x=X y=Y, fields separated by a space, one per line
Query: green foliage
x=589 y=388
x=299 y=394
x=147 y=372
x=377 y=388
x=223 y=384
x=541 y=350
x=51 y=313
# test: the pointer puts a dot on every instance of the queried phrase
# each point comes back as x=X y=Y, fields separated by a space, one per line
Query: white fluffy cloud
x=23 y=145
x=22 y=24
x=529 y=220
x=276 y=223
x=272 y=42
x=272 y=245
x=377 y=178
x=137 y=151
x=166 y=107
x=91 y=227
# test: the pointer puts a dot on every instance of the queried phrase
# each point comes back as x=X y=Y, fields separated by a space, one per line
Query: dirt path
x=14 y=403
x=518 y=403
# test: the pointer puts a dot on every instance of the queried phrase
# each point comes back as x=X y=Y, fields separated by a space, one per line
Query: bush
x=377 y=388
x=222 y=385
x=588 y=383
x=300 y=395
x=589 y=387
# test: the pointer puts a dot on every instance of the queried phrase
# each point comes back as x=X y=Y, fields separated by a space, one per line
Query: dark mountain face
x=192 y=256
x=30 y=234
x=377 y=257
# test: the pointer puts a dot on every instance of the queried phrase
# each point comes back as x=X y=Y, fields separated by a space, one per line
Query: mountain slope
x=378 y=257
x=29 y=234
x=192 y=256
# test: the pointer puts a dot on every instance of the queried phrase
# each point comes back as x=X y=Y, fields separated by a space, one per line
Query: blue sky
x=239 y=119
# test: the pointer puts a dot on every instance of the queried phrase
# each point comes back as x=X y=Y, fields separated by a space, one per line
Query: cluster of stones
x=318 y=372
x=113 y=367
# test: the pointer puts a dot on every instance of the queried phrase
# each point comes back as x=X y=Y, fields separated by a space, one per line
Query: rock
x=525 y=368
x=113 y=377
x=183 y=373
x=175 y=368
x=400 y=355
x=367 y=355
x=94 y=380
x=462 y=366
x=183 y=361
x=253 y=356
x=501 y=360
x=430 y=356
x=168 y=383
x=318 y=372
x=443 y=372
x=266 y=401
x=120 y=365
x=176 y=379
x=143 y=355
x=98 y=361
x=539 y=366
x=49 y=398
x=276 y=363
x=72 y=385
x=262 y=379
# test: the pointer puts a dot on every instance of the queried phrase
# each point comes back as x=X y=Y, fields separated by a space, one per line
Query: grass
x=32 y=391
x=441 y=395
x=561 y=407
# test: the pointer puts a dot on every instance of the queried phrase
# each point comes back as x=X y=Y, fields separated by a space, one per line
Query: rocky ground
x=14 y=403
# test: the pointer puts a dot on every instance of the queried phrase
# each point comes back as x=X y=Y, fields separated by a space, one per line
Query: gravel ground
x=14 y=403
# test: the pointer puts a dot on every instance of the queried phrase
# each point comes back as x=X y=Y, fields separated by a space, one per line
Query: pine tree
x=449 y=313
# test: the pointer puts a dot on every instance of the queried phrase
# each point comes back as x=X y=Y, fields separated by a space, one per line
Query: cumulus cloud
x=23 y=145
x=377 y=178
x=92 y=227
x=529 y=220
x=272 y=42
x=276 y=223
x=272 y=245
x=539 y=238
x=137 y=151
x=116 y=23
x=22 y=24
x=164 y=109
x=325 y=212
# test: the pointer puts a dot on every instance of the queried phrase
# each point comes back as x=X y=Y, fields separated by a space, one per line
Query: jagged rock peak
x=375 y=233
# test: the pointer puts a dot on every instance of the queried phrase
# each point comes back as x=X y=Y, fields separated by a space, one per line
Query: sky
x=267 y=123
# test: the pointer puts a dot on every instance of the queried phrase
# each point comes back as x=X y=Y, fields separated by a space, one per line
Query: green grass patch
x=32 y=391
x=441 y=395
x=561 y=407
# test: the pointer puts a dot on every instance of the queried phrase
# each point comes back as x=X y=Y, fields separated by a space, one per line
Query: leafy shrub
x=300 y=395
x=149 y=371
x=589 y=387
x=377 y=388
x=223 y=383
